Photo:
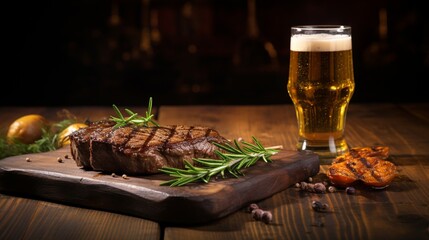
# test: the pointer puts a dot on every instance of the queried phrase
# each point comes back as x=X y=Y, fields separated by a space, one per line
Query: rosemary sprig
x=48 y=142
x=133 y=117
x=232 y=159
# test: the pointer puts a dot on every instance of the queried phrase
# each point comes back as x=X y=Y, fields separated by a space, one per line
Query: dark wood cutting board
x=46 y=178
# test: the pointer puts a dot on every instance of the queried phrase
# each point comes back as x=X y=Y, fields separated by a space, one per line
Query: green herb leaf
x=233 y=159
x=133 y=117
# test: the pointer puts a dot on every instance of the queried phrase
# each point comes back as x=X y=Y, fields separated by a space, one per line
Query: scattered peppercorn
x=267 y=217
x=66 y=156
x=60 y=160
x=113 y=175
x=319 y=188
x=124 y=176
x=28 y=159
x=310 y=179
x=350 y=190
x=257 y=214
x=331 y=189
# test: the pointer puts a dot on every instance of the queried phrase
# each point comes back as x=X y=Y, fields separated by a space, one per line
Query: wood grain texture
x=403 y=129
x=24 y=218
x=142 y=196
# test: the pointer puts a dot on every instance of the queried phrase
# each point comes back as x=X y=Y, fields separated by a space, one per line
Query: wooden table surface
x=400 y=211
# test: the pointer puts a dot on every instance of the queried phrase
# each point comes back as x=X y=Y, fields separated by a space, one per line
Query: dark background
x=78 y=52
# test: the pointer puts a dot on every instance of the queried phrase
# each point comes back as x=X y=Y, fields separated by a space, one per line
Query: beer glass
x=321 y=84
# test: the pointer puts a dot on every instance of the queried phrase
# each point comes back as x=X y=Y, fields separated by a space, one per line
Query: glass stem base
x=327 y=150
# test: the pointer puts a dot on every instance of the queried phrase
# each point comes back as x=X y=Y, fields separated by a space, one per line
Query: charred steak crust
x=80 y=142
x=140 y=150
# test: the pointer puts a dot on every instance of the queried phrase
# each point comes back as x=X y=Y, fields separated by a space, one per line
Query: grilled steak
x=140 y=150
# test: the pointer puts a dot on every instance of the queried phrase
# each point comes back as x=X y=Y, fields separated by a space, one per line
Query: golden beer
x=321 y=84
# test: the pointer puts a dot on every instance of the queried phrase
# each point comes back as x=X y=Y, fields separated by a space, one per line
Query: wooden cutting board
x=46 y=178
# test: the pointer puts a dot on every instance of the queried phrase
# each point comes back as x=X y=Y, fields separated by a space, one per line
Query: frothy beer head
x=320 y=42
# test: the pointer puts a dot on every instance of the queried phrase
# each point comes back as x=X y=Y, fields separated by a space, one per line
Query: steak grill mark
x=172 y=132
x=368 y=166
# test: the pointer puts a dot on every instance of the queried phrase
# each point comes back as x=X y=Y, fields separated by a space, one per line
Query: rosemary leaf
x=233 y=159
x=209 y=162
x=133 y=118
x=118 y=112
